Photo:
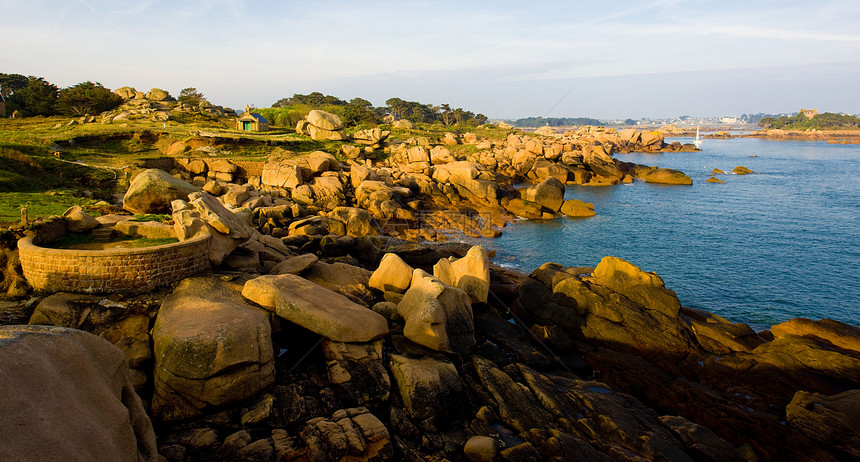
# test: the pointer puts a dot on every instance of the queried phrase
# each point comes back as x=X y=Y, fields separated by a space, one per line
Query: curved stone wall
x=111 y=270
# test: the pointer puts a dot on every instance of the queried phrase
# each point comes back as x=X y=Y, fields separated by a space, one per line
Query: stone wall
x=248 y=168
x=111 y=270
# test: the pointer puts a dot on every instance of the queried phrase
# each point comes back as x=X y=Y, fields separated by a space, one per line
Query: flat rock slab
x=315 y=308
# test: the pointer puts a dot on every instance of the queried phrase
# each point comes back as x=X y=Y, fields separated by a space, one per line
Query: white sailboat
x=698 y=140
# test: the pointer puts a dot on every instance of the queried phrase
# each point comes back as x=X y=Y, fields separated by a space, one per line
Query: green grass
x=72 y=240
x=152 y=217
x=39 y=204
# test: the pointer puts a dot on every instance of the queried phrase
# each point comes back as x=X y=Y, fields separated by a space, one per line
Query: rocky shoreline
x=324 y=332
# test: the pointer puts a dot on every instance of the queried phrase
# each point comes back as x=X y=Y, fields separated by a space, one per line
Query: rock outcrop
x=67 y=395
x=153 y=190
x=211 y=348
x=321 y=125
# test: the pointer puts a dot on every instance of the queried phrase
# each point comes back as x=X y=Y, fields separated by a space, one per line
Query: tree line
x=35 y=96
x=823 y=121
x=360 y=112
x=558 y=121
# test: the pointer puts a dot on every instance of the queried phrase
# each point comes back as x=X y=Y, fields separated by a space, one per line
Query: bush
x=87 y=98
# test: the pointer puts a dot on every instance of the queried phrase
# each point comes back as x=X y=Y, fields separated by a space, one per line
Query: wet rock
x=741 y=170
x=524 y=208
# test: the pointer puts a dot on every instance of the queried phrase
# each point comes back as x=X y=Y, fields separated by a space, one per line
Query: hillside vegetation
x=824 y=121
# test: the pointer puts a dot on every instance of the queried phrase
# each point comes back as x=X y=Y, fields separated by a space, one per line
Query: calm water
x=760 y=249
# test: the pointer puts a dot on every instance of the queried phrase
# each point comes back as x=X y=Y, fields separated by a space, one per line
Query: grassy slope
x=31 y=176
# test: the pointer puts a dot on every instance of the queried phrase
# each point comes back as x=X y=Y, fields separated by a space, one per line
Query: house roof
x=253 y=116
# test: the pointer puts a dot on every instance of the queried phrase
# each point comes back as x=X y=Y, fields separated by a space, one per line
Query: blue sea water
x=761 y=248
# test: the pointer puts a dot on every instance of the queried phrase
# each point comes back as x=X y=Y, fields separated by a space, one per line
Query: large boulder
x=644 y=288
x=67 y=396
x=153 y=190
x=78 y=221
x=320 y=134
x=324 y=120
x=157 y=94
x=212 y=348
x=549 y=194
x=393 y=274
x=652 y=138
x=599 y=162
x=345 y=279
x=470 y=273
x=437 y=316
x=216 y=215
x=281 y=175
x=358 y=222
x=667 y=176
x=587 y=309
x=315 y=308
x=524 y=208
x=543 y=169
x=576 y=208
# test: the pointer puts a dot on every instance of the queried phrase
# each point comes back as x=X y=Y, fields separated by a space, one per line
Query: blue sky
x=503 y=59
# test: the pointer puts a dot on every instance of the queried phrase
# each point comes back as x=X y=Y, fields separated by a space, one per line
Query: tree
x=447 y=116
x=10 y=83
x=86 y=98
x=191 y=96
x=39 y=97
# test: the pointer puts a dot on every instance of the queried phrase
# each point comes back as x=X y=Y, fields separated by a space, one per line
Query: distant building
x=729 y=120
x=809 y=113
x=251 y=122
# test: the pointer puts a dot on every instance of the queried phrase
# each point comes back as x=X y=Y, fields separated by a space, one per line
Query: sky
x=504 y=59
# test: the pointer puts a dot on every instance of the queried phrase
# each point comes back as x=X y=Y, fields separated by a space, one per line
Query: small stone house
x=251 y=122
x=809 y=113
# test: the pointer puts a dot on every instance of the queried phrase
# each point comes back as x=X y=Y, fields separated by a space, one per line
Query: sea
x=761 y=248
